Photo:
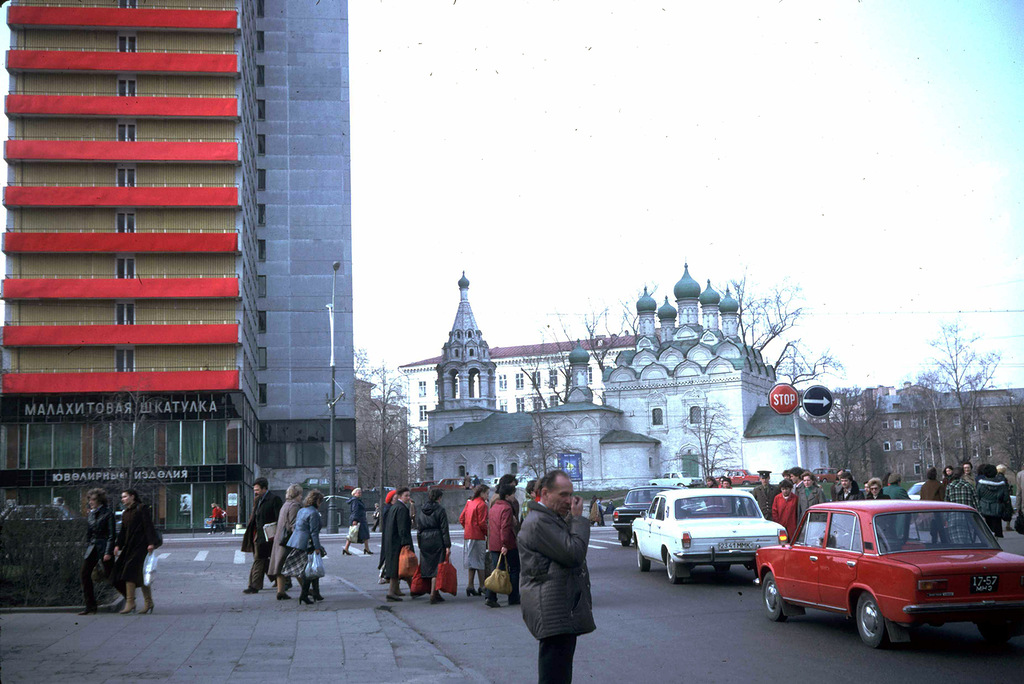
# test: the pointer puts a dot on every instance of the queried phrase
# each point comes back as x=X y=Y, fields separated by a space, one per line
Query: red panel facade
x=140 y=381
x=120 y=242
x=109 y=150
x=113 y=17
x=120 y=288
x=114 y=62
x=78 y=335
x=113 y=105
x=108 y=196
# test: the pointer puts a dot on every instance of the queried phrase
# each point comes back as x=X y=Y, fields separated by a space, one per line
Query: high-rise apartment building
x=163 y=315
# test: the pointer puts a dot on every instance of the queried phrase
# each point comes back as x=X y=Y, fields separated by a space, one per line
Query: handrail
x=65 y=48
x=113 y=184
x=107 y=93
x=114 y=138
x=143 y=5
x=13 y=324
x=112 y=276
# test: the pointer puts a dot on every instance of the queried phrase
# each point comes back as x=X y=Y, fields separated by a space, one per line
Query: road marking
x=239 y=557
x=599 y=548
x=201 y=556
x=456 y=544
x=162 y=556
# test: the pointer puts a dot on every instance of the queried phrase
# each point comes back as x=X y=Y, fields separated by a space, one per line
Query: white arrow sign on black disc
x=817 y=401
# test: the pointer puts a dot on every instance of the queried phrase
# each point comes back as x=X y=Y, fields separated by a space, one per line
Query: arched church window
x=513 y=467
x=462 y=471
x=458 y=335
x=657 y=416
x=471 y=352
x=456 y=353
x=694 y=415
x=490 y=469
x=469 y=334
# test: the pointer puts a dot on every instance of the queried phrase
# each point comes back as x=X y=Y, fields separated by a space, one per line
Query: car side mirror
x=643 y=514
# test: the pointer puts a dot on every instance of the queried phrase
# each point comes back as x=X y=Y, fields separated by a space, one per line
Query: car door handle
x=814 y=558
x=852 y=564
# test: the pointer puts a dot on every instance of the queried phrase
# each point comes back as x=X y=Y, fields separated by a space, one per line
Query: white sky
x=565 y=154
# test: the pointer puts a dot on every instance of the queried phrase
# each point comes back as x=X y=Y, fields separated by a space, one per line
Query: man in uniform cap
x=765 y=493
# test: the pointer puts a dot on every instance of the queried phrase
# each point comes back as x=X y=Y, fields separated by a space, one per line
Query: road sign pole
x=796 y=432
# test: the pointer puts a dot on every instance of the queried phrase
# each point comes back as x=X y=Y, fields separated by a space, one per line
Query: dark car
x=637 y=500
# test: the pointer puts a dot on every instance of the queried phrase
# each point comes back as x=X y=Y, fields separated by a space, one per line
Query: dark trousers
x=257 y=571
x=88 y=564
x=995 y=523
x=554 y=662
x=512 y=560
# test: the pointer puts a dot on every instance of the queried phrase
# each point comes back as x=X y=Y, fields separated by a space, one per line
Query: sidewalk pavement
x=204 y=628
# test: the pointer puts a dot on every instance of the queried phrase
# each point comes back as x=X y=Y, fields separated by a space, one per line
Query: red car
x=895 y=565
x=454 y=483
x=421 y=486
x=742 y=478
x=826 y=474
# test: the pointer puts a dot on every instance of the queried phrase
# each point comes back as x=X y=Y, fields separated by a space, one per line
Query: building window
x=126 y=87
x=985 y=426
x=513 y=468
x=261 y=214
x=261 y=41
x=552 y=378
x=988 y=452
x=261 y=286
x=261 y=179
x=261 y=321
x=885 y=425
x=925 y=422
x=261 y=250
x=423 y=388
x=503 y=406
x=915 y=445
x=553 y=400
x=956 y=420
x=128 y=4
x=917 y=468
x=490 y=469
x=520 y=404
x=126 y=132
x=261 y=75
x=537 y=404
x=262 y=394
x=897 y=424
x=503 y=382
x=125 y=267
x=124 y=360
x=914 y=422
x=886 y=446
x=261 y=110
x=694 y=415
x=959 y=444
x=125 y=223
x=124 y=314
x=471 y=352
x=462 y=471
x=423 y=413
x=536 y=378
x=423 y=436
x=126 y=44
x=590 y=375
x=259 y=8
x=261 y=357
x=520 y=381
x=899 y=445
x=261 y=144
x=126 y=178
x=657 y=417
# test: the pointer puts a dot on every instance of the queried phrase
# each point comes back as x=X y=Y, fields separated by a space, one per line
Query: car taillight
x=783 y=536
x=686 y=540
x=615 y=516
x=932 y=585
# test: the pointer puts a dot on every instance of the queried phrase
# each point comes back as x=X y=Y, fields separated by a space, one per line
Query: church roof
x=767 y=423
x=497 y=428
x=545 y=349
x=627 y=437
x=577 y=406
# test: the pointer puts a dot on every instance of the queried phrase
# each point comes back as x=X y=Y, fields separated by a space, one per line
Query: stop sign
x=784 y=399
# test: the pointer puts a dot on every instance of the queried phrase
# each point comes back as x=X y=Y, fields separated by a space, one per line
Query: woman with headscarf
x=305 y=540
x=285 y=527
x=357 y=516
x=434 y=540
x=136 y=539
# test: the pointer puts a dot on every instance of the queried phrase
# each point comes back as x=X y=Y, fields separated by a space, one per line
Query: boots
x=304 y=597
x=129 y=598
x=315 y=590
x=147 y=594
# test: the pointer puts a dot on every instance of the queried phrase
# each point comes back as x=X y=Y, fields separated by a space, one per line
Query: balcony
x=140 y=150
x=69 y=60
x=87 y=380
x=105 y=335
x=162 y=106
x=195 y=195
x=95 y=14
x=140 y=287
x=83 y=243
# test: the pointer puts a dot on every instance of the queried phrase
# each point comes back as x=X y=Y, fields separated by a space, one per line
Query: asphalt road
x=712 y=628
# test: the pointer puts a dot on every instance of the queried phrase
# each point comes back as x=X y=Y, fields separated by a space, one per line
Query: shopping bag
x=499 y=581
x=1018 y=526
x=407 y=563
x=353 y=532
x=314 y=566
x=149 y=569
x=447 y=578
x=417 y=585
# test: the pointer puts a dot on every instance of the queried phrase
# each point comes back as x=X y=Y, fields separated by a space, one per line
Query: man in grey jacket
x=554 y=580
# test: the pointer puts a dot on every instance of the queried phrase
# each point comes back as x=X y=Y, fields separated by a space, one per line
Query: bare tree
x=383 y=434
x=1009 y=429
x=852 y=427
x=963 y=373
x=548 y=443
x=714 y=437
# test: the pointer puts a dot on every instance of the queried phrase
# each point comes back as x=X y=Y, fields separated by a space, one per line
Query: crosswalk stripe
x=239 y=557
x=162 y=556
x=456 y=544
x=201 y=556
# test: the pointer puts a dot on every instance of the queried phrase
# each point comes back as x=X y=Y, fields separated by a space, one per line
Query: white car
x=687 y=527
x=915 y=494
x=676 y=480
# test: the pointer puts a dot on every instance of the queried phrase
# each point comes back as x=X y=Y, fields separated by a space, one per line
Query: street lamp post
x=332 y=504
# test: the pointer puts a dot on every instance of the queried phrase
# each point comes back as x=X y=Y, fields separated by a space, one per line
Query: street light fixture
x=332 y=503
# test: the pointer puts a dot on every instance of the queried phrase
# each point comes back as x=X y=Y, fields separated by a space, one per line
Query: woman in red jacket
x=502 y=526
x=474 y=521
x=784 y=508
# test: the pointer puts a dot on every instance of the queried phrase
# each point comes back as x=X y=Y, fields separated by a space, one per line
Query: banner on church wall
x=573 y=465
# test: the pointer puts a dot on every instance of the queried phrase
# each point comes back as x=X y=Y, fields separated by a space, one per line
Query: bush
x=40 y=561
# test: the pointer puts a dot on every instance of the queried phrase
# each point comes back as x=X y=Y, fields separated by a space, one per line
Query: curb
x=105 y=608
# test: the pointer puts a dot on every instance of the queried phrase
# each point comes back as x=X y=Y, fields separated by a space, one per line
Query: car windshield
x=716 y=507
x=640 y=496
x=932 y=531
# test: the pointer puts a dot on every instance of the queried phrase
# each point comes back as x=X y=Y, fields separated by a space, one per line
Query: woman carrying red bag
x=434 y=540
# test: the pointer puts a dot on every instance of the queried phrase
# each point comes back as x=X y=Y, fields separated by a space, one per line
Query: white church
x=689 y=365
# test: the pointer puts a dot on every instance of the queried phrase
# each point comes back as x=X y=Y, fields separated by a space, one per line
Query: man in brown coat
x=266 y=507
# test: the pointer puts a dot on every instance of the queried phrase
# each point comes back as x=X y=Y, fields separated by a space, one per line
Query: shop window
x=67 y=445
x=216 y=442
x=101 y=445
x=40 y=446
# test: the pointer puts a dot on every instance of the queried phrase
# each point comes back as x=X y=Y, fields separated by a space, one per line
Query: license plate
x=984 y=584
x=726 y=545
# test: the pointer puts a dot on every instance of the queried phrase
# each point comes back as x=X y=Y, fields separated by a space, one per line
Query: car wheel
x=641 y=562
x=772 y=598
x=676 y=572
x=871 y=622
x=996 y=632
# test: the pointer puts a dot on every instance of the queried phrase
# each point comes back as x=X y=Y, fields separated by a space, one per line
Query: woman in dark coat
x=357 y=514
x=434 y=540
x=993 y=497
x=396 y=535
x=99 y=544
x=136 y=539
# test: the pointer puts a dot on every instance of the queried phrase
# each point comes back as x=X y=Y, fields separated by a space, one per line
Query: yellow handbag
x=499 y=581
